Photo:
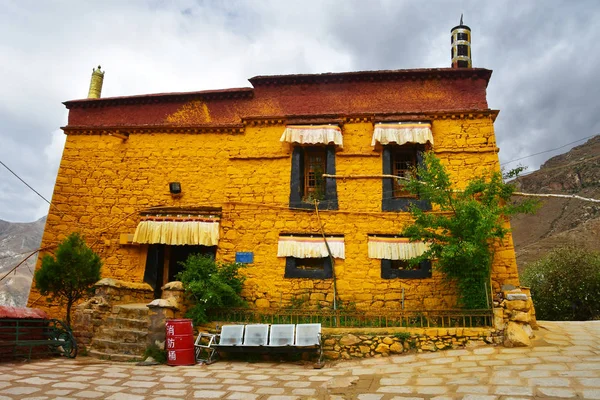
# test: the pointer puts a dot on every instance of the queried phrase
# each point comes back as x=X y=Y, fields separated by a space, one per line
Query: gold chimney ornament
x=96 y=83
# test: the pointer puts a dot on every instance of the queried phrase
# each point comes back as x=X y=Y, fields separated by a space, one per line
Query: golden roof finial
x=96 y=83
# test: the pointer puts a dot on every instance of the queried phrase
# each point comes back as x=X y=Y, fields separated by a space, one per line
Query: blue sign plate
x=244 y=257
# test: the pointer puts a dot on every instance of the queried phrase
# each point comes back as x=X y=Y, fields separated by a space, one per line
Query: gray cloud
x=543 y=53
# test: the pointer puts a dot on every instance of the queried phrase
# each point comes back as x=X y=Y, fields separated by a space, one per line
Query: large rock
x=519 y=305
x=388 y=340
x=364 y=349
x=516 y=296
x=515 y=336
x=520 y=316
x=396 y=348
x=382 y=348
x=528 y=330
x=349 y=340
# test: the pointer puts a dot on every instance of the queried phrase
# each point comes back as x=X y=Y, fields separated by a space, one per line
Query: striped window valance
x=313 y=134
x=178 y=230
x=310 y=247
x=402 y=133
x=395 y=248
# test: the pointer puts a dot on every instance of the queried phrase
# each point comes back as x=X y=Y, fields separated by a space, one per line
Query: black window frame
x=292 y=270
x=387 y=272
x=330 y=200
x=389 y=202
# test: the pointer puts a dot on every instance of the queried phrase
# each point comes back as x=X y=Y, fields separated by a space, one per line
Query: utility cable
x=26 y=184
x=548 y=151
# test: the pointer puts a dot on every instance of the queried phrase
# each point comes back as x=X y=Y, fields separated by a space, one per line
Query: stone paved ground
x=565 y=363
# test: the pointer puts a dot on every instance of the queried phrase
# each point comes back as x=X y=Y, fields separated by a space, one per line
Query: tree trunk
x=68 y=319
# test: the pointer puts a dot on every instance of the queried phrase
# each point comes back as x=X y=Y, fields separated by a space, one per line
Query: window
x=315 y=166
x=404 y=161
x=391 y=269
x=394 y=253
x=307 y=184
x=315 y=268
x=401 y=161
x=307 y=256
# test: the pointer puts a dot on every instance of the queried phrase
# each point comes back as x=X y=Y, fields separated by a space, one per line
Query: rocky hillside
x=561 y=221
x=17 y=241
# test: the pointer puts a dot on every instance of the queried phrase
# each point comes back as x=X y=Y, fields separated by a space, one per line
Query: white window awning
x=402 y=133
x=310 y=247
x=313 y=134
x=391 y=248
x=177 y=230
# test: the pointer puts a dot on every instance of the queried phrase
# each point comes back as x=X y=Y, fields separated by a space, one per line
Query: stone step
x=115 y=322
x=115 y=357
x=123 y=335
x=132 y=311
x=117 y=347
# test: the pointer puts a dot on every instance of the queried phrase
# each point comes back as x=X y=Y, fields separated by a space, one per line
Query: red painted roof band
x=417 y=91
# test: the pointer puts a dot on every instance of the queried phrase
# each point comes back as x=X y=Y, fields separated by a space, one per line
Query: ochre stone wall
x=383 y=342
x=104 y=182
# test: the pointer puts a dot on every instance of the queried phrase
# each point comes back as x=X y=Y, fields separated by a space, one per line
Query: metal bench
x=24 y=337
x=260 y=338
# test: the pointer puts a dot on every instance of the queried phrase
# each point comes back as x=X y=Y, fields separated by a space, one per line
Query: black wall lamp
x=175 y=187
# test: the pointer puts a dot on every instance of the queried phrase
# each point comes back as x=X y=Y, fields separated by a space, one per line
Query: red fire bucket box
x=180 y=342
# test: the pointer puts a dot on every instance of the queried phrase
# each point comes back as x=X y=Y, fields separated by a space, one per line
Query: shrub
x=159 y=355
x=565 y=285
x=467 y=226
x=70 y=275
x=210 y=285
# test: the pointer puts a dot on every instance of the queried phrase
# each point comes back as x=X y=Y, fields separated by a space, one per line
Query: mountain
x=17 y=241
x=561 y=221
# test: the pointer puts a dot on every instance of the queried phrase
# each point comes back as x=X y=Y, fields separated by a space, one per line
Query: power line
x=548 y=151
x=26 y=184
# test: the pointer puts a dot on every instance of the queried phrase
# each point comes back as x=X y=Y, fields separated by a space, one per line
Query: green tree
x=70 y=275
x=210 y=285
x=464 y=226
x=565 y=284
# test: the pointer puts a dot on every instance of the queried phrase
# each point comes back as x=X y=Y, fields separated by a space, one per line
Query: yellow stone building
x=235 y=173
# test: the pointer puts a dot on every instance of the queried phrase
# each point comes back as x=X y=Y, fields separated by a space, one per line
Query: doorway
x=163 y=263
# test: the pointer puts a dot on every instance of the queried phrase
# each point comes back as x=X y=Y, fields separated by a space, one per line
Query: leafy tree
x=70 y=275
x=565 y=284
x=210 y=285
x=464 y=226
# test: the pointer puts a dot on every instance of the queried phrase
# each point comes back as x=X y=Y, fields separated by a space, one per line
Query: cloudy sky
x=545 y=56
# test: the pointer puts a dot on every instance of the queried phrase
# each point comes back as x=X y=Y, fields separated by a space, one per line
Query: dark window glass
x=463 y=50
x=391 y=269
x=404 y=162
x=403 y=265
x=396 y=161
x=313 y=268
x=310 y=264
x=462 y=36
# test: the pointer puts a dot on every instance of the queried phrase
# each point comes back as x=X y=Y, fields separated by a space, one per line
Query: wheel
x=68 y=344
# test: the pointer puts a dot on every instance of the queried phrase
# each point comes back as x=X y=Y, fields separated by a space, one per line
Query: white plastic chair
x=231 y=335
x=256 y=335
x=281 y=335
x=308 y=335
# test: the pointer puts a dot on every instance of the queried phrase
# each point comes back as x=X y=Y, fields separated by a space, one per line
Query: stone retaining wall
x=90 y=317
x=344 y=343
